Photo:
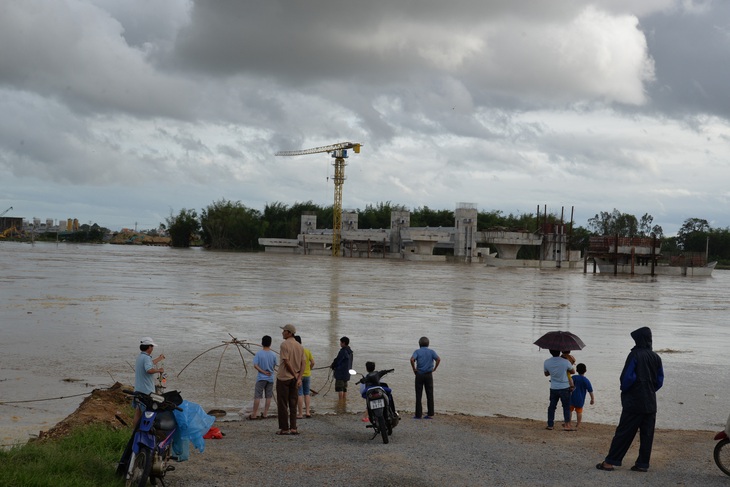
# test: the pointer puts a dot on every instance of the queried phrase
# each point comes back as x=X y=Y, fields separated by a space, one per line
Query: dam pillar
x=398 y=221
x=465 y=223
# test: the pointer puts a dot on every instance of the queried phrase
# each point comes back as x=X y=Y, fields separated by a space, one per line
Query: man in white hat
x=144 y=370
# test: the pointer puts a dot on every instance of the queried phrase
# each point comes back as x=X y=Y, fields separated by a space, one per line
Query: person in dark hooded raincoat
x=641 y=377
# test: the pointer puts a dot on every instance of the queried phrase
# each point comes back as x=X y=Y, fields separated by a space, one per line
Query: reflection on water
x=78 y=311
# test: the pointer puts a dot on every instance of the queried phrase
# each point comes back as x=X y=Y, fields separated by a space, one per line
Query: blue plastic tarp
x=192 y=423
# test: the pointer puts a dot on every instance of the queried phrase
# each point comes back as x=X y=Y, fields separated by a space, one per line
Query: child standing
x=264 y=362
x=578 y=398
x=304 y=392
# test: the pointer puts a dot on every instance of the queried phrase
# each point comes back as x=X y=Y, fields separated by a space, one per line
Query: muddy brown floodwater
x=72 y=316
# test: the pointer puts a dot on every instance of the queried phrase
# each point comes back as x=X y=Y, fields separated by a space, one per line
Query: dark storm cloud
x=312 y=40
x=498 y=102
x=691 y=50
x=71 y=51
x=500 y=46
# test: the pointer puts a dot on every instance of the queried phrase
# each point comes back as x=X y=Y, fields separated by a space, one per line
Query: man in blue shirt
x=557 y=368
x=144 y=381
x=144 y=370
x=424 y=363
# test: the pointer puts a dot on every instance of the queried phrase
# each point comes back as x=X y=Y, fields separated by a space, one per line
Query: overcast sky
x=119 y=112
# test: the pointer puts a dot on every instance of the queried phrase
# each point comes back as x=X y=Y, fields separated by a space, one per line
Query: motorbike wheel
x=141 y=468
x=383 y=429
x=722 y=455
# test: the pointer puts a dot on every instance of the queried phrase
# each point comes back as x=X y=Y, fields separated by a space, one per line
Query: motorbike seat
x=165 y=421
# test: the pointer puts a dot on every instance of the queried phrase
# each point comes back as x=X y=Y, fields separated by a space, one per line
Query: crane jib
x=328 y=148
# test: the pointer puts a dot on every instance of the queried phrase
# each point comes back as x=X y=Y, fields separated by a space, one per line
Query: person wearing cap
x=288 y=380
x=144 y=370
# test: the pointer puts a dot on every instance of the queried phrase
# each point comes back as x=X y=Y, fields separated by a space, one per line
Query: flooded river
x=72 y=316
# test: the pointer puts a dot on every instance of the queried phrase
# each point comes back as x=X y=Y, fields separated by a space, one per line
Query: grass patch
x=88 y=456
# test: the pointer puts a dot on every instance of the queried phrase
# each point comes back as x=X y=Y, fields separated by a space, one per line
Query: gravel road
x=337 y=450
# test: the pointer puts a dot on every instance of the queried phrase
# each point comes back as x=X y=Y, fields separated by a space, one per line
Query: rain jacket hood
x=642 y=376
x=642 y=337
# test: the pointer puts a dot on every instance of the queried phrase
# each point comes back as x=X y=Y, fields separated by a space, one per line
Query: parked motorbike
x=381 y=410
x=147 y=456
x=721 y=454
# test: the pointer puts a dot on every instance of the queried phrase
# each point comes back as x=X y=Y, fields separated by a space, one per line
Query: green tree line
x=229 y=225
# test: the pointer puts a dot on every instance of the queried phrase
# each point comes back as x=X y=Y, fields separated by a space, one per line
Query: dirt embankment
x=104 y=406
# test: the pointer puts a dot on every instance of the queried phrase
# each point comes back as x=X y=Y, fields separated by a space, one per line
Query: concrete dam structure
x=402 y=241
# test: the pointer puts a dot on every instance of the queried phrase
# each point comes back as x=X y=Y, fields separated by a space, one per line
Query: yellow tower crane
x=339 y=152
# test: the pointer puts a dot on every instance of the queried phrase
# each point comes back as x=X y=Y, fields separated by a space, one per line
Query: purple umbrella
x=560 y=340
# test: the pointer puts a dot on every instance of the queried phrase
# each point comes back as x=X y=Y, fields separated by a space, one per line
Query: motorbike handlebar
x=382 y=373
x=153 y=398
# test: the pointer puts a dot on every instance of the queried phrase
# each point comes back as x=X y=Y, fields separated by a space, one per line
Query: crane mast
x=3 y=213
x=339 y=153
